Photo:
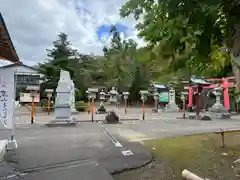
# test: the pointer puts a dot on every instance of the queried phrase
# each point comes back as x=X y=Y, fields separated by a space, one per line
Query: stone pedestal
x=11 y=145
x=171 y=106
x=218 y=111
x=64 y=101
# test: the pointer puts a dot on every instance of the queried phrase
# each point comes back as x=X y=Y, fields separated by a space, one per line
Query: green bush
x=81 y=106
x=78 y=94
x=44 y=102
x=44 y=105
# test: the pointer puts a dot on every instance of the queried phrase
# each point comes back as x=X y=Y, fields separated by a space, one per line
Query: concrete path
x=48 y=152
x=68 y=153
x=135 y=131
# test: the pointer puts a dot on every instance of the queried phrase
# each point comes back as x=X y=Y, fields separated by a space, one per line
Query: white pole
x=190 y=176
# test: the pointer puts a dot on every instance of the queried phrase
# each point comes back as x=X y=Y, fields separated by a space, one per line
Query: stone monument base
x=218 y=112
x=11 y=145
x=171 y=107
x=62 y=123
x=74 y=112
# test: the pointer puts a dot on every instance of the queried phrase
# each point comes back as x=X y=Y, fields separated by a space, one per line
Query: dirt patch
x=201 y=154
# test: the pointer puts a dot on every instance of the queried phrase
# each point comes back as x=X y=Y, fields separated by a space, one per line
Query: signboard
x=26 y=97
x=163 y=97
x=7 y=96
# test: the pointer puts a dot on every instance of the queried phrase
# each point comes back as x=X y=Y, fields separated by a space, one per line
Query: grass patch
x=201 y=154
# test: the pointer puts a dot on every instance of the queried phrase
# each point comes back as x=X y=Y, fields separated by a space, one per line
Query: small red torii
x=225 y=84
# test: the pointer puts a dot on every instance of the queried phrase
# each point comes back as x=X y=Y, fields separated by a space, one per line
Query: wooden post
x=49 y=105
x=198 y=105
x=184 y=108
x=223 y=141
x=33 y=112
x=93 y=108
x=143 y=110
x=125 y=108
x=89 y=106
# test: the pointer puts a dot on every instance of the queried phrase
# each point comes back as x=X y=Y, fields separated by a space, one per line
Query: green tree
x=119 y=64
x=58 y=59
x=189 y=32
x=84 y=69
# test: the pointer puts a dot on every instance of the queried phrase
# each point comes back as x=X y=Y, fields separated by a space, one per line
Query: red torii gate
x=225 y=84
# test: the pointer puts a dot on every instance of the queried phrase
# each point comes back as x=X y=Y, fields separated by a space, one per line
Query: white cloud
x=34 y=25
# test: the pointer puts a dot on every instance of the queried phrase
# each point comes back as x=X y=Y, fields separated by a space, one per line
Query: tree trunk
x=236 y=69
x=235 y=58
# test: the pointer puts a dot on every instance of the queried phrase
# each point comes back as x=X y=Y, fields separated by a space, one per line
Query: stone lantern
x=102 y=109
x=144 y=95
x=93 y=93
x=218 y=111
x=125 y=97
x=89 y=100
x=49 y=96
x=102 y=96
x=183 y=98
x=156 y=100
x=33 y=93
x=113 y=95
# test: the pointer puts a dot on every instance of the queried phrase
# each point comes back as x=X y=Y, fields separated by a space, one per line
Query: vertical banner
x=7 y=101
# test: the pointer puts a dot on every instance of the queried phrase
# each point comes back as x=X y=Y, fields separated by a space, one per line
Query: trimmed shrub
x=44 y=105
x=81 y=106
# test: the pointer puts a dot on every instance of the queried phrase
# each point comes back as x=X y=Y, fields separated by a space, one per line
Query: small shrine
x=195 y=88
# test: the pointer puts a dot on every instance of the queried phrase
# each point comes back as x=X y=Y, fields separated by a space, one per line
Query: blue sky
x=104 y=30
x=34 y=25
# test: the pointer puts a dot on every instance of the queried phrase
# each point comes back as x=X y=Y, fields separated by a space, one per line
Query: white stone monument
x=171 y=106
x=64 y=100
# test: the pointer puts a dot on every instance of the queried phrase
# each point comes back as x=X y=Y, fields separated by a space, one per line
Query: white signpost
x=7 y=103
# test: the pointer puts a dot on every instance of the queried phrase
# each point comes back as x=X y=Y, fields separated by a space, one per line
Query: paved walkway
x=152 y=129
x=67 y=153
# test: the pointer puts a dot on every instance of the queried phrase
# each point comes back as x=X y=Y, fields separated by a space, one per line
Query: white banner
x=26 y=97
x=7 y=95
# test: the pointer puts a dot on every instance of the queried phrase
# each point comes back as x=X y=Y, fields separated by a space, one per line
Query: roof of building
x=199 y=80
x=7 y=49
x=18 y=64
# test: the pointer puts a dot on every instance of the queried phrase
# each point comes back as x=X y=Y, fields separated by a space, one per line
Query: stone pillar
x=171 y=106
x=218 y=111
